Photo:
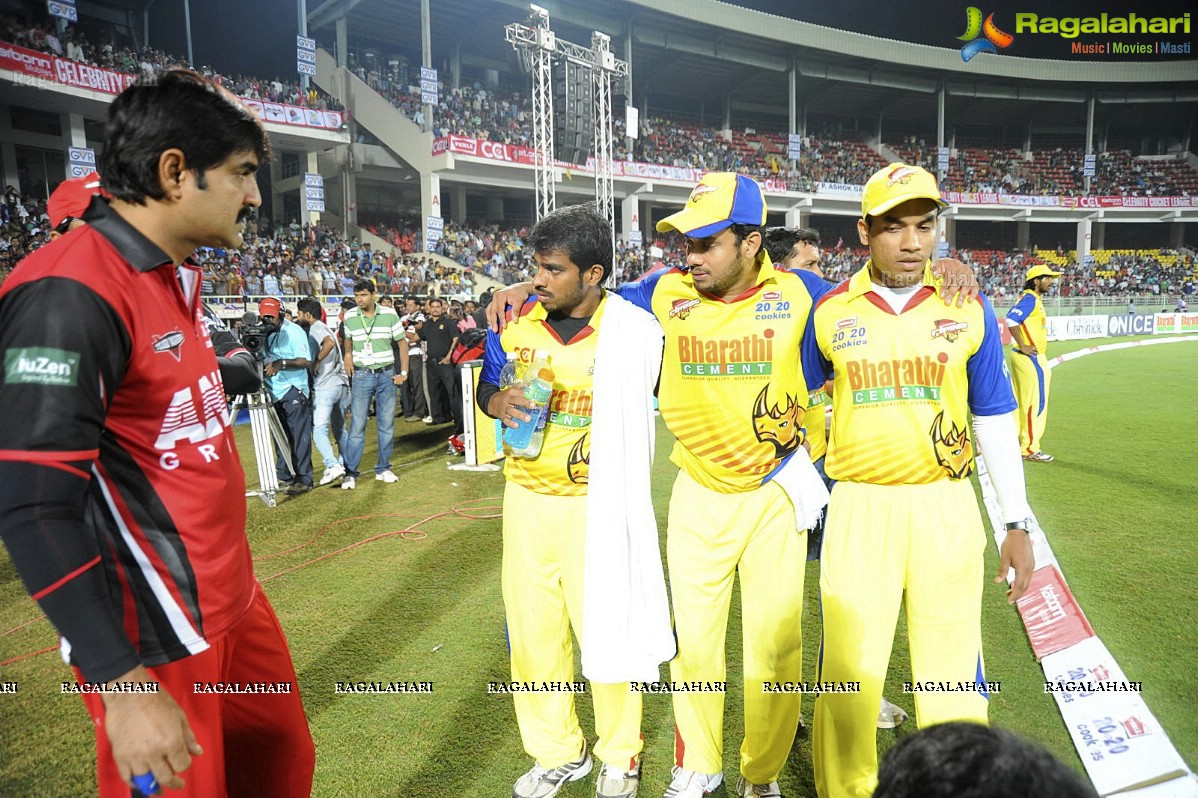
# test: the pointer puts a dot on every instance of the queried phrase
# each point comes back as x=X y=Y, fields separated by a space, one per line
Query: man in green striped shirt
x=372 y=334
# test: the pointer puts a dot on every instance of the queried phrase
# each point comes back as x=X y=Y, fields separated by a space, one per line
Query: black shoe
x=298 y=489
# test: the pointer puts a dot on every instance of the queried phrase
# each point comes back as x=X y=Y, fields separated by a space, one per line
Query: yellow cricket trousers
x=543 y=539
x=1030 y=377
x=713 y=536
x=918 y=545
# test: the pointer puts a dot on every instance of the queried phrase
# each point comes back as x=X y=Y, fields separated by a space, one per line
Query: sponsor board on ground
x=1131 y=324
x=1120 y=741
x=1069 y=328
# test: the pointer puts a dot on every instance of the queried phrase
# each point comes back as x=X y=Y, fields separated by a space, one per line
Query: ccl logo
x=981 y=37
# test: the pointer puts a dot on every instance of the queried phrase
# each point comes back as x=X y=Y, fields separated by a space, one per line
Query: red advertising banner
x=1051 y=615
x=108 y=81
x=509 y=153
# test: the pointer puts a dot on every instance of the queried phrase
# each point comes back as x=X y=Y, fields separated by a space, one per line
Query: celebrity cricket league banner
x=1120 y=741
x=108 y=81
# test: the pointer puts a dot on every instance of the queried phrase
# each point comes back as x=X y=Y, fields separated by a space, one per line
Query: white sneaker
x=387 y=476
x=349 y=483
x=616 y=782
x=689 y=784
x=427 y=419
x=890 y=716
x=746 y=790
x=335 y=471
x=542 y=783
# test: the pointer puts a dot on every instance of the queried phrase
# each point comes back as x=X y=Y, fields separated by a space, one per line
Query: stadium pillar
x=311 y=217
x=798 y=216
x=1098 y=236
x=940 y=117
x=458 y=212
x=301 y=13
x=628 y=99
x=430 y=203
x=342 y=41
x=187 y=26
x=950 y=231
x=630 y=214
x=728 y=112
x=8 y=153
x=426 y=57
x=76 y=135
x=1177 y=235
x=1023 y=234
x=455 y=65
x=1084 y=233
x=349 y=200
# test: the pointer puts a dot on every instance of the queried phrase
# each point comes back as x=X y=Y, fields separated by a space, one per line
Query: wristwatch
x=403 y=373
x=1013 y=525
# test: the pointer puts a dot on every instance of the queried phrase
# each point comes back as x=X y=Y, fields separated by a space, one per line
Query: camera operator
x=286 y=368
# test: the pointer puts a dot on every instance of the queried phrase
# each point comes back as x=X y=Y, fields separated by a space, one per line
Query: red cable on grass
x=407 y=533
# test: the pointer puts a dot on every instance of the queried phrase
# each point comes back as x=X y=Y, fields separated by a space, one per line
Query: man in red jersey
x=121 y=490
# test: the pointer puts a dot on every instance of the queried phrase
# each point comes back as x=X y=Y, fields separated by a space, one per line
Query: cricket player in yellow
x=545 y=519
x=903 y=525
x=1030 y=371
x=734 y=392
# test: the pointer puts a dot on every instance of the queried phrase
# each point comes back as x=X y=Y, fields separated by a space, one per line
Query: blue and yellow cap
x=721 y=200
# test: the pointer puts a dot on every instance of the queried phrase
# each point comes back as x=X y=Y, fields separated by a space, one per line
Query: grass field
x=420 y=602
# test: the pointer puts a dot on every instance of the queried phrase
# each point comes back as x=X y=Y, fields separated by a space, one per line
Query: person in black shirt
x=440 y=336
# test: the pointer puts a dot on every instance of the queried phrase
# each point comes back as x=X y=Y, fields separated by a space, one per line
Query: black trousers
x=295 y=411
x=444 y=388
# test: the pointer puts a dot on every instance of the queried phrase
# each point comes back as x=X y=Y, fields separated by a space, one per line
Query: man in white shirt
x=330 y=389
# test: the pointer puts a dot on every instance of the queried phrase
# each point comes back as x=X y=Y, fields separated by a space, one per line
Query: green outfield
x=419 y=601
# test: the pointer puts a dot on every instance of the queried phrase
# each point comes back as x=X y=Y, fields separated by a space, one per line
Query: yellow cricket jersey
x=1029 y=314
x=815 y=421
x=732 y=389
x=905 y=383
x=563 y=465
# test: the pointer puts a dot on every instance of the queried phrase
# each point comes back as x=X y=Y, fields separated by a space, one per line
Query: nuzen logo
x=192 y=422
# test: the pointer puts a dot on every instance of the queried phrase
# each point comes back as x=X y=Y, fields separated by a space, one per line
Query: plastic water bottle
x=525 y=439
x=507 y=377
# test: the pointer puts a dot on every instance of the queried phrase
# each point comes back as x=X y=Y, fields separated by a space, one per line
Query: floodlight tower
x=536 y=44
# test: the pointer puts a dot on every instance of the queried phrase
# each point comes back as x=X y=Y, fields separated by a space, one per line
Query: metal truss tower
x=536 y=44
x=538 y=47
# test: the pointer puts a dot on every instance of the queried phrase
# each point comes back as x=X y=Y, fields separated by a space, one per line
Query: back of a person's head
x=969 y=760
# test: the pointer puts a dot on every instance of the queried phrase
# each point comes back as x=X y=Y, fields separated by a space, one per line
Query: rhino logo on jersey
x=954 y=450
x=578 y=464
x=779 y=426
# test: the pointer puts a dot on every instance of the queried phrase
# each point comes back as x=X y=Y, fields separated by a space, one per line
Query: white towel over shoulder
x=626 y=630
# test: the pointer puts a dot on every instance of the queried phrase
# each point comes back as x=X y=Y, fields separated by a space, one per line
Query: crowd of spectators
x=1057 y=171
x=122 y=58
x=829 y=155
x=284 y=260
x=294 y=259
